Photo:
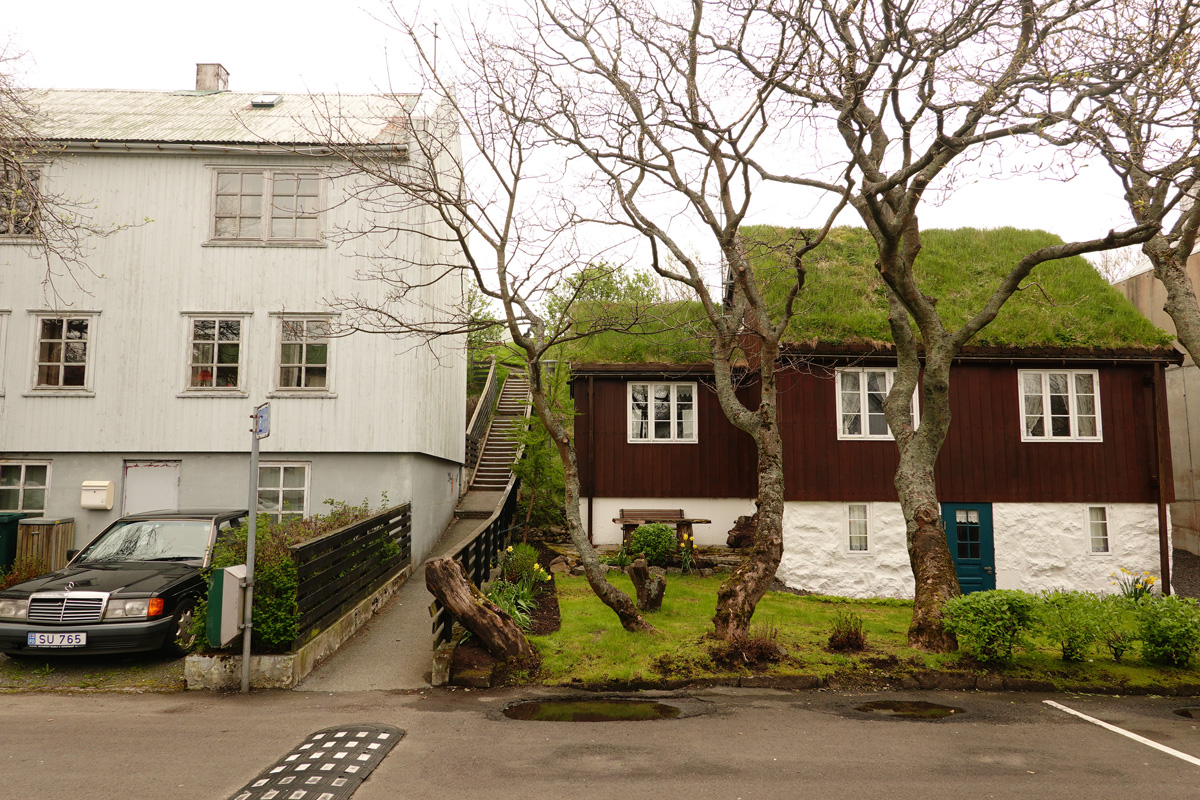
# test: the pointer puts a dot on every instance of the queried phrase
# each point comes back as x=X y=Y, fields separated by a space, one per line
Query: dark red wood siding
x=983 y=459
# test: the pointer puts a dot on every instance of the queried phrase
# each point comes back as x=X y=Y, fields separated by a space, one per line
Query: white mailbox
x=225 y=598
x=97 y=495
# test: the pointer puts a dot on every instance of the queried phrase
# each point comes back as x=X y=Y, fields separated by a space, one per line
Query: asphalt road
x=729 y=743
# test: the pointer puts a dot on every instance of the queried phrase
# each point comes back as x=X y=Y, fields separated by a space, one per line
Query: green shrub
x=656 y=541
x=1071 y=620
x=1170 y=629
x=1118 y=624
x=26 y=569
x=520 y=562
x=847 y=632
x=991 y=623
x=618 y=559
x=275 y=619
x=515 y=599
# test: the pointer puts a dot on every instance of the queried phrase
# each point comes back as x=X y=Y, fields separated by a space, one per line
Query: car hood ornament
x=70 y=585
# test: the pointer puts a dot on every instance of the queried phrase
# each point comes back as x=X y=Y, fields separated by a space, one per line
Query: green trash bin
x=8 y=537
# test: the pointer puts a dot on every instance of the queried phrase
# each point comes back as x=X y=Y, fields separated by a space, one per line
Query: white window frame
x=280 y=465
x=266 y=205
x=301 y=391
x=1108 y=530
x=848 y=518
x=890 y=377
x=89 y=354
x=190 y=318
x=1072 y=405
x=8 y=462
x=650 y=438
x=4 y=322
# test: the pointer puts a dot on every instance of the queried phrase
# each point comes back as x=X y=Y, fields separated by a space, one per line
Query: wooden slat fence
x=343 y=568
x=478 y=554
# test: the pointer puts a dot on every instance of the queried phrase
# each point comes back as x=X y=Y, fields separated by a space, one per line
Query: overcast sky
x=342 y=47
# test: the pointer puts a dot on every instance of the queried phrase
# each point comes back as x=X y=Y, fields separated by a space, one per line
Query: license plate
x=57 y=639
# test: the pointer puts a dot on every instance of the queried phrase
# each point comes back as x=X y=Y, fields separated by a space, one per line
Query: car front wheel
x=182 y=637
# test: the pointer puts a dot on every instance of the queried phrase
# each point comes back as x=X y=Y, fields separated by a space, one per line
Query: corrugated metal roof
x=221 y=117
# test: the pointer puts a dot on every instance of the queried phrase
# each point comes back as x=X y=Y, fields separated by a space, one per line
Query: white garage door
x=150 y=486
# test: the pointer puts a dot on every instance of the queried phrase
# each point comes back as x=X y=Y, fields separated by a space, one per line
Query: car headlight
x=11 y=608
x=137 y=607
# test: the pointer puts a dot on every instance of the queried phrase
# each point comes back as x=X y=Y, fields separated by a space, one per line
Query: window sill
x=59 y=393
x=214 y=393
x=847 y=438
x=260 y=243
x=316 y=395
x=663 y=441
x=24 y=240
x=1062 y=439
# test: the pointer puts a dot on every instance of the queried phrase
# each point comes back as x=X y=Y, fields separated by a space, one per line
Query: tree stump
x=448 y=582
x=742 y=534
x=650 y=588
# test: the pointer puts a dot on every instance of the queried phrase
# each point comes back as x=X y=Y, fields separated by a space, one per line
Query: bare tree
x=47 y=222
x=669 y=122
x=918 y=91
x=1146 y=131
x=493 y=219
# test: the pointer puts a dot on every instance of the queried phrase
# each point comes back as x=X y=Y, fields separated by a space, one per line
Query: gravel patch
x=1185 y=573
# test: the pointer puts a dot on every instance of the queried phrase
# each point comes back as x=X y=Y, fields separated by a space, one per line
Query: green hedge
x=991 y=624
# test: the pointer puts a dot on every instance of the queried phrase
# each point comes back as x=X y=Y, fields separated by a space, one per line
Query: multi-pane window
x=18 y=201
x=304 y=354
x=23 y=486
x=266 y=205
x=662 y=412
x=216 y=351
x=1098 y=528
x=62 y=355
x=1060 y=404
x=856 y=515
x=861 y=392
x=283 y=490
x=967 y=538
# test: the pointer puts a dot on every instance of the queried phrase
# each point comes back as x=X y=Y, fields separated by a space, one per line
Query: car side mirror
x=71 y=554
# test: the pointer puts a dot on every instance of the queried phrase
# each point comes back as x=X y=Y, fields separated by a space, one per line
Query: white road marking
x=1129 y=734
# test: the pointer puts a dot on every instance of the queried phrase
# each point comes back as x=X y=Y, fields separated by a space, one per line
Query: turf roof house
x=146 y=373
x=1054 y=474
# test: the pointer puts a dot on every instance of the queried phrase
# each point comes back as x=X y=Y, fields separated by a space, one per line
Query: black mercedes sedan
x=133 y=588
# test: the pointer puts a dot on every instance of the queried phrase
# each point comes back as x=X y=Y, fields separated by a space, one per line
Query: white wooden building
x=216 y=298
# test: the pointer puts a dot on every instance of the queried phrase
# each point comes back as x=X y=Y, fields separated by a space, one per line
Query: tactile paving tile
x=329 y=765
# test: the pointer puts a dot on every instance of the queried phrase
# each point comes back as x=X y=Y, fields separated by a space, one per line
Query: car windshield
x=151 y=540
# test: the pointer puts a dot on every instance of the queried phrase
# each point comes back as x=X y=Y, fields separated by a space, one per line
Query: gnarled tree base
x=650 y=588
x=448 y=582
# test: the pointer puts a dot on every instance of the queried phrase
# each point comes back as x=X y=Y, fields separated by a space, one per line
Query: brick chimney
x=211 y=78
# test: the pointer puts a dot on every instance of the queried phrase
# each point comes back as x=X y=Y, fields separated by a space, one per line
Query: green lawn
x=591 y=647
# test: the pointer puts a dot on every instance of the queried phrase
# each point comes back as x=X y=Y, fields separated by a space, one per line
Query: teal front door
x=969 y=534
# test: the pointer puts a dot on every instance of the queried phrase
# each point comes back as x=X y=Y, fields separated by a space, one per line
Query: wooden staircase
x=501 y=447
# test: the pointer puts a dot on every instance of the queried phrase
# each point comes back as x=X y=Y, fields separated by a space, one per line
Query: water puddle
x=591 y=710
x=1191 y=712
x=909 y=709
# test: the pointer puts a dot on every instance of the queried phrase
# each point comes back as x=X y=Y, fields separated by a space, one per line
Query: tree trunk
x=650 y=588
x=448 y=582
x=610 y=595
x=936 y=580
x=741 y=591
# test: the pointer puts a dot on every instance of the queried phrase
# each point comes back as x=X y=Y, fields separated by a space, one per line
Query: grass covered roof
x=1063 y=304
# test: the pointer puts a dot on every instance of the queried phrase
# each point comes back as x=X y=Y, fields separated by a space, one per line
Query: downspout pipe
x=1165 y=477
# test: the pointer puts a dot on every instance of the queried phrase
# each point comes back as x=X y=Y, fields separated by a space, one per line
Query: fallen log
x=448 y=582
x=650 y=588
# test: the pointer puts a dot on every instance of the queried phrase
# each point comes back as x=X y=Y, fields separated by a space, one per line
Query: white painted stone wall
x=817 y=555
x=1047 y=545
x=723 y=511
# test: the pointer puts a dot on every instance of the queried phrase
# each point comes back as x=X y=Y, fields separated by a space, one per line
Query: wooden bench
x=631 y=518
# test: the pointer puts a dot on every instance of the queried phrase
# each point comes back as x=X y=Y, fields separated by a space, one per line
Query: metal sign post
x=261 y=430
